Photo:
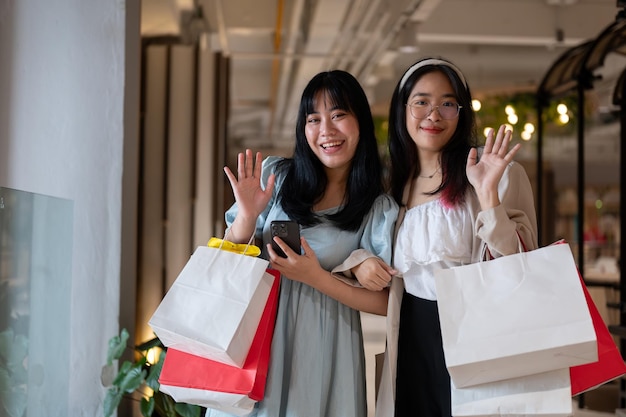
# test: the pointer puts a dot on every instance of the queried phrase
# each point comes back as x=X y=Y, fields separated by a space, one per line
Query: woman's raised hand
x=251 y=198
x=484 y=173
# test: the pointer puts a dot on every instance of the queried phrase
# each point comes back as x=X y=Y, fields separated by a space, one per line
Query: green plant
x=140 y=377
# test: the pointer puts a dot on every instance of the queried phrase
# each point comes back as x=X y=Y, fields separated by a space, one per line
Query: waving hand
x=485 y=173
x=250 y=197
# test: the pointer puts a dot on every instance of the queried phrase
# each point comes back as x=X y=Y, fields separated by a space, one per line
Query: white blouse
x=431 y=237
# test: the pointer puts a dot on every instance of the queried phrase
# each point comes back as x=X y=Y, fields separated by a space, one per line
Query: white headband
x=430 y=61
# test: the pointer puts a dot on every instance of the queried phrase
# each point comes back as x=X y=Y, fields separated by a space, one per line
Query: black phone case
x=289 y=232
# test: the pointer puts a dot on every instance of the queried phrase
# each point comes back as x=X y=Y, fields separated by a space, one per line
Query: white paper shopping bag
x=194 y=380
x=513 y=316
x=547 y=395
x=214 y=306
x=235 y=404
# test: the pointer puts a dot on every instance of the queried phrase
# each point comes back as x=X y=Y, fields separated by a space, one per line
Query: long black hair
x=304 y=175
x=402 y=150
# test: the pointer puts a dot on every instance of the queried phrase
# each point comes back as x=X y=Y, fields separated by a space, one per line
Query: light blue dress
x=317 y=364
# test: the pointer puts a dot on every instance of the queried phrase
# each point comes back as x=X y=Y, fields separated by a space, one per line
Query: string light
x=517 y=111
x=529 y=127
x=528 y=131
x=511 y=115
x=562 y=110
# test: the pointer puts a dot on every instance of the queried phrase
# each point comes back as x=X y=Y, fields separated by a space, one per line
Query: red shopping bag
x=195 y=380
x=610 y=364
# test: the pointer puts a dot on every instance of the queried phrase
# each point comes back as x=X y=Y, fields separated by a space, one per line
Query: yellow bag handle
x=240 y=248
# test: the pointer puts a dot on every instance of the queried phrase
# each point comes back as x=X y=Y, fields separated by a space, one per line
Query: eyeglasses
x=422 y=109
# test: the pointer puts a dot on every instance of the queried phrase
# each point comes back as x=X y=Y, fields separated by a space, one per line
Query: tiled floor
x=374 y=337
x=590 y=413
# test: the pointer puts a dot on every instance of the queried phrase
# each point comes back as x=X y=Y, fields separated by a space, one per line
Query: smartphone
x=289 y=232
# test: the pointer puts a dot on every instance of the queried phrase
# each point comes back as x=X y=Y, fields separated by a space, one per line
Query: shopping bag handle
x=240 y=248
x=486 y=255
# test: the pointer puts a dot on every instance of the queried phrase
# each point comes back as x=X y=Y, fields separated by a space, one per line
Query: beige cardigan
x=495 y=228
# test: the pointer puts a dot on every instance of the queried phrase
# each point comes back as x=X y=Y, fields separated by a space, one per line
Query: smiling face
x=332 y=133
x=432 y=132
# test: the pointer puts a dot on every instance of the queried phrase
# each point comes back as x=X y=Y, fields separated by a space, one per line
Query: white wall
x=62 y=128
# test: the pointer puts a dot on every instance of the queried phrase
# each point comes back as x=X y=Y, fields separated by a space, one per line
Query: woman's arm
x=504 y=194
x=514 y=219
x=361 y=299
x=370 y=264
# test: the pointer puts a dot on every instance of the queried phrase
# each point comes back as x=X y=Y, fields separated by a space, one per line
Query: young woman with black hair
x=332 y=187
x=457 y=201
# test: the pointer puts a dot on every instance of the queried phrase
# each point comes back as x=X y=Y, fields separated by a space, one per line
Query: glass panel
x=35 y=289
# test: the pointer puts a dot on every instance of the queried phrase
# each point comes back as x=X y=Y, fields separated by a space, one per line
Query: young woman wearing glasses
x=454 y=199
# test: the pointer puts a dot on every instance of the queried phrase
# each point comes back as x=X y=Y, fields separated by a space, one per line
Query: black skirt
x=422 y=382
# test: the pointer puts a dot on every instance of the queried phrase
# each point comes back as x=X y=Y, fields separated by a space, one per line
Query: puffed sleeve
x=268 y=167
x=376 y=240
x=515 y=217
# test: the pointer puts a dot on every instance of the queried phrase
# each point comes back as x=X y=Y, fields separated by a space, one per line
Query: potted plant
x=140 y=377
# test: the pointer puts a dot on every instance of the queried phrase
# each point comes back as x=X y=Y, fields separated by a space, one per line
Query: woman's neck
x=430 y=164
x=334 y=194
